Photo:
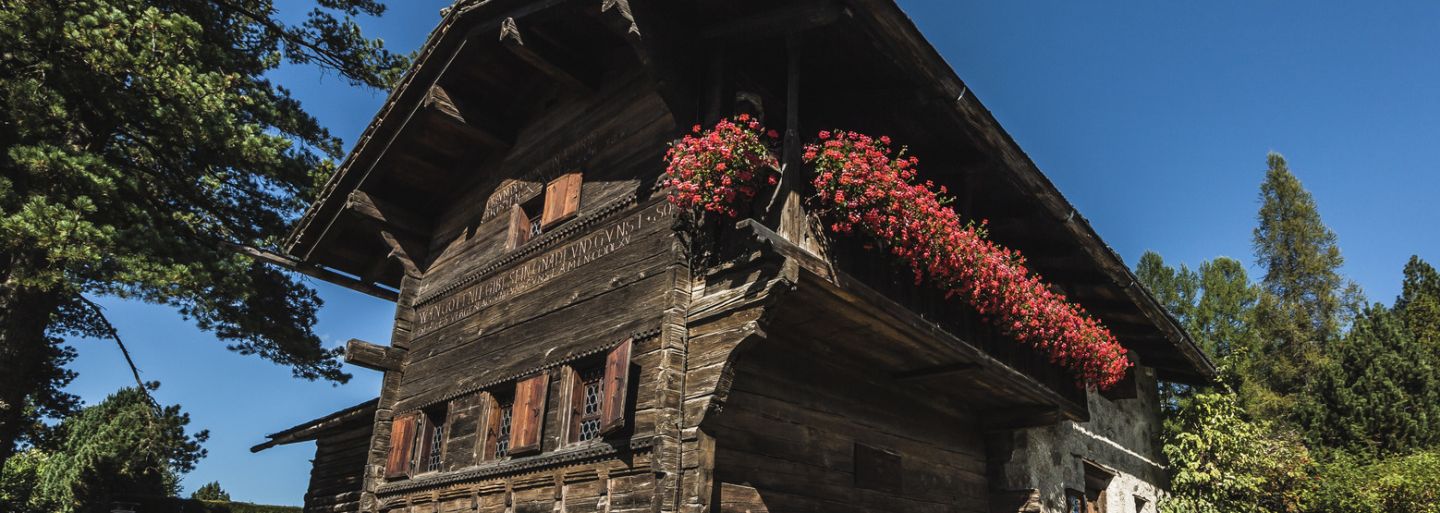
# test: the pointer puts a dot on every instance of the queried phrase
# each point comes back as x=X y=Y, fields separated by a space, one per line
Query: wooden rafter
x=387 y=214
x=547 y=62
x=441 y=106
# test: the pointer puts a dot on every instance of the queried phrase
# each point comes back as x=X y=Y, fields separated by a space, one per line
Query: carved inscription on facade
x=539 y=269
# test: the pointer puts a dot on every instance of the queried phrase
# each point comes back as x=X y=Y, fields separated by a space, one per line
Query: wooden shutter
x=529 y=413
x=519 y=228
x=562 y=199
x=490 y=427
x=402 y=433
x=616 y=386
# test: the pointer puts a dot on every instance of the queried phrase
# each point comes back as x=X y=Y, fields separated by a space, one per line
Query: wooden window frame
x=425 y=435
x=577 y=386
x=614 y=393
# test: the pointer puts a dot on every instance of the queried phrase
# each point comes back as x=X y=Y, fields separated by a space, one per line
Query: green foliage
x=142 y=139
x=124 y=445
x=1225 y=311
x=1216 y=306
x=1419 y=303
x=178 y=505
x=1404 y=484
x=1175 y=290
x=19 y=479
x=211 y=492
x=1379 y=392
x=1222 y=463
x=1302 y=309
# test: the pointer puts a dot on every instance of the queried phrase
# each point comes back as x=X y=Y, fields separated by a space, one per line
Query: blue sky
x=1154 y=118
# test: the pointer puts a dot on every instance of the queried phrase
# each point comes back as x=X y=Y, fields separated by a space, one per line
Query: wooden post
x=791 y=222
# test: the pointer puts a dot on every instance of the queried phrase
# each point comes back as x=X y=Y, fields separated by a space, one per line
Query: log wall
x=337 y=472
x=806 y=434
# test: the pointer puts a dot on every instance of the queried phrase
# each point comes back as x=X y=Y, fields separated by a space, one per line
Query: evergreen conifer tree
x=1302 y=307
x=1378 y=394
x=1419 y=303
x=142 y=140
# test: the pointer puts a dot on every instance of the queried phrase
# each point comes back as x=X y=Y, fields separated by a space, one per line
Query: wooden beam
x=549 y=63
x=294 y=264
x=1007 y=419
x=665 y=52
x=443 y=108
x=786 y=20
x=373 y=356
x=936 y=371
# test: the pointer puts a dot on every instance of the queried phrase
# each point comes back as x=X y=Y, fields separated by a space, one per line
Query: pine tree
x=211 y=492
x=1176 y=290
x=125 y=445
x=1223 y=316
x=1379 y=393
x=1419 y=303
x=142 y=140
x=1302 y=308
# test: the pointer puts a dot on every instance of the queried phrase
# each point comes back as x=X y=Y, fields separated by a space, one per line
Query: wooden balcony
x=862 y=305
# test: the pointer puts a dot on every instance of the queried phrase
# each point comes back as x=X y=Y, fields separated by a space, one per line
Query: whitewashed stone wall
x=1122 y=436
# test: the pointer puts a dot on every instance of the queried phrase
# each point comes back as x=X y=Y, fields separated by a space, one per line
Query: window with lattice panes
x=502 y=417
x=587 y=403
x=429 y=440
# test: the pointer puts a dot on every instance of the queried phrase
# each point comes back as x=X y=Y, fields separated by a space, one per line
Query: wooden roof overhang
x=479 y=79
x=863 y=65
x=355 y=416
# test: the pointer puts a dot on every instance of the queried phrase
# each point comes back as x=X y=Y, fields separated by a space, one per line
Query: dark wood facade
x=563 y=343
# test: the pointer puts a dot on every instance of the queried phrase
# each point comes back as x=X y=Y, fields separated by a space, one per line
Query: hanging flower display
x=714 y=170
x=862 y=186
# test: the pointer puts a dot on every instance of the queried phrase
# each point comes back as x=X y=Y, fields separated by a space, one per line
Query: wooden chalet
x=563 y=344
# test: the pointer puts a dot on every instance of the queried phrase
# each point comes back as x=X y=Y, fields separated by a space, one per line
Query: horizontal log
x=795 y=18
x=373 y=356
x=936 y=371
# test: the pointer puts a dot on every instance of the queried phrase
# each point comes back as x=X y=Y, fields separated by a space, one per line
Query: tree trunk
x=25 y=315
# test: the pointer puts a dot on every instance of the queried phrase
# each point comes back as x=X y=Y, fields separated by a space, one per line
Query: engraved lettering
x=537 y=270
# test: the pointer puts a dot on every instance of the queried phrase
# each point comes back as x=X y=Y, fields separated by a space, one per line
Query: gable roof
x=921 y=84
